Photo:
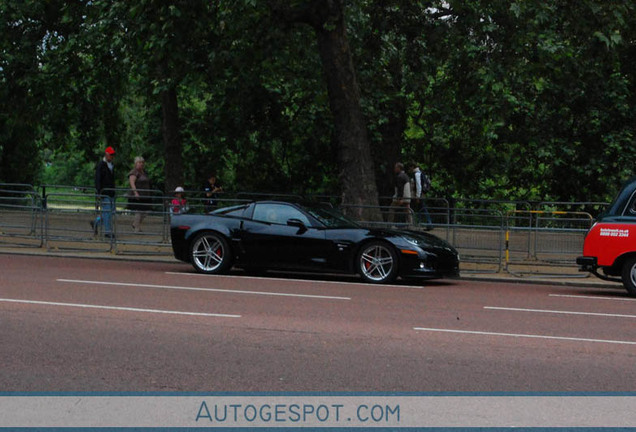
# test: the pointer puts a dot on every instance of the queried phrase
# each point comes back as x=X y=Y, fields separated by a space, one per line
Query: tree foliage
x=531 y=100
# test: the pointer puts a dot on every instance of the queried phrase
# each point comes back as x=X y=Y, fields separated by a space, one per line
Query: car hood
x=427 y=238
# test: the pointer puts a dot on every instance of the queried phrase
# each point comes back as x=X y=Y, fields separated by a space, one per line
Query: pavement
x=525 y=273
x=116 y=326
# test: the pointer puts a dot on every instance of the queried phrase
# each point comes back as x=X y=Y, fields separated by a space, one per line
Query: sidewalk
x=526 y=274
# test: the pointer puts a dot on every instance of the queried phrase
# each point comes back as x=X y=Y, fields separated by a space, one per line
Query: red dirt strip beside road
x=69 y=324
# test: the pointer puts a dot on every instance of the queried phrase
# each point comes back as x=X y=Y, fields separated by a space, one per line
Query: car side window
x=238 y=211
x=278 y=214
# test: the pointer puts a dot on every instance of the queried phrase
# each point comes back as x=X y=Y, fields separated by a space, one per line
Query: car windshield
x=331 y=218
x=625 y=201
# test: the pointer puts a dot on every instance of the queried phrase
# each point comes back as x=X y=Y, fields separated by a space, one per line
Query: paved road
x=100 y=325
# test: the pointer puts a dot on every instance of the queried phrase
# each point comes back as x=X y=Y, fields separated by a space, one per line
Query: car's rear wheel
x=377 y=262
x=629 y=276
x=210 y=253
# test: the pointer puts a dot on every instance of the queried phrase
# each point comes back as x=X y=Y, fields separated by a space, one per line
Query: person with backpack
x=422 y=185
x=422 y=182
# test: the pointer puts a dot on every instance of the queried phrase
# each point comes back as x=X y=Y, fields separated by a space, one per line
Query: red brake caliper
x=367 y=264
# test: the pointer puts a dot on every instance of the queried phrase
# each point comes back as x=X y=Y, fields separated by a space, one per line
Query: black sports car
x=271 y=235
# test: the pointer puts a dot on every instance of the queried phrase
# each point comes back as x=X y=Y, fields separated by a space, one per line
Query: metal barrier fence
x=502 y=234
x=67 y=216
x=20 y=215
x=592 y=207
x=255 y=196
x=477 y=234
x=545 y=238
x=380 y=216
x=140 y=224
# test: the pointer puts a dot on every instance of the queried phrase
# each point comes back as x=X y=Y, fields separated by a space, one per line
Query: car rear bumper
x=587 y=263
x=590 y=264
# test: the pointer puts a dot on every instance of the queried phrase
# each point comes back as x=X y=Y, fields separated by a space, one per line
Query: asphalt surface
x=74 y=324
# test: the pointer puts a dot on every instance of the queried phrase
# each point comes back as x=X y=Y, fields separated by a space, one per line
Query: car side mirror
x=298 y=224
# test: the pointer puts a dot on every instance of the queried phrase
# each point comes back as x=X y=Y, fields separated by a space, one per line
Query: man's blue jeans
x=107 y=208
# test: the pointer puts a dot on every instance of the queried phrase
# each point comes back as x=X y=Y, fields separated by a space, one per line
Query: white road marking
x=267 y=278
x=560 y=312
x=593 y=297
x=118 y=308
x=265 y=293
x=525 y=336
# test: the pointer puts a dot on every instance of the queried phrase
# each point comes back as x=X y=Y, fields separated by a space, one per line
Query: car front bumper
x=429 y=266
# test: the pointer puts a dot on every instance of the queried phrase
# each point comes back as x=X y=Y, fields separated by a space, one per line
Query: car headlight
x=414 y=241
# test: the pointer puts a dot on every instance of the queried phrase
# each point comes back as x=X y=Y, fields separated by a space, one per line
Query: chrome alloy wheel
x=208 y=253
x=377 y=263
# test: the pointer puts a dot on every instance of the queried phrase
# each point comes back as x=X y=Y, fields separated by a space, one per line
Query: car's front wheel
x=629 y=276
x=377 y=262
x=210 y=253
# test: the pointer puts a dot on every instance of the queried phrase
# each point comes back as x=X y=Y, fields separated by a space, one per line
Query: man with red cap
x=105 y=187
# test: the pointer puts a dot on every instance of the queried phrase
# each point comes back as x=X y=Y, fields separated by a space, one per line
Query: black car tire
x=377 y=262
x=629 y=276
x=210 y=253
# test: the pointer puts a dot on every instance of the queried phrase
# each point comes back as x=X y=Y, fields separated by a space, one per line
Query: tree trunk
x=389 y=151
x=393 y=105
x=355 y=164
x=171 y=139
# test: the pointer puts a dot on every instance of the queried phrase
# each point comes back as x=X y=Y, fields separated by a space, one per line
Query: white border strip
x=560 y=312
x=202 y=289
x=321 y=412
x=524 y=336
x=118 y=308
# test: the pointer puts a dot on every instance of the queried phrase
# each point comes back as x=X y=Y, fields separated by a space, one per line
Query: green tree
x=327 y=18
x=525 y=100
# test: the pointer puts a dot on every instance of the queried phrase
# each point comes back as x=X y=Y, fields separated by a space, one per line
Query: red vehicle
x=610 y=245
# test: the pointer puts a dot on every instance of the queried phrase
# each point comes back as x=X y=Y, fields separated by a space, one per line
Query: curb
x=558 y=281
